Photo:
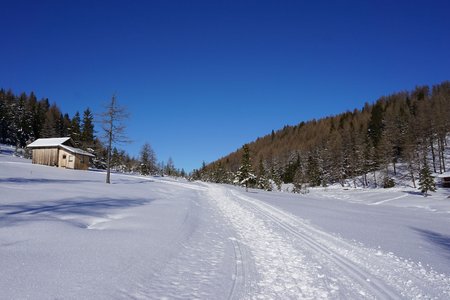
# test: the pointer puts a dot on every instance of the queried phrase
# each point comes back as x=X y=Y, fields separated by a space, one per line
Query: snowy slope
x=66 y=234
x=401 y=221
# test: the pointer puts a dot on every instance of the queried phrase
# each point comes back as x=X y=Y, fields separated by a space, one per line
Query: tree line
x=407 y=129
x=25 y=118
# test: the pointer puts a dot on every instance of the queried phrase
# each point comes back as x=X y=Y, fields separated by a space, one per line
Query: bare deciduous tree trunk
x=433 y=156
x=113 y=129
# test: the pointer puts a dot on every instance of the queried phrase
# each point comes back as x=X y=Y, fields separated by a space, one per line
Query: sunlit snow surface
x=66 y=234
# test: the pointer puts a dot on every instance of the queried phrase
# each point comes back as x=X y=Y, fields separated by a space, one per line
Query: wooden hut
x=444 y=180
x=59 y=152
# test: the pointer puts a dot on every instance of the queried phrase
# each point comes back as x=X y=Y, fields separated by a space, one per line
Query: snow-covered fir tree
x=426 y=181
x=75 y=129
x=219 y=174
x=262 y=180
x=87 y=130
x=169 y=168
x=276 y=175
x=245 y=176
x=300 y=182
x=313 y=171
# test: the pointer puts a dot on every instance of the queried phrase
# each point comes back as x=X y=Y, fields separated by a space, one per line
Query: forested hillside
x=408 y=127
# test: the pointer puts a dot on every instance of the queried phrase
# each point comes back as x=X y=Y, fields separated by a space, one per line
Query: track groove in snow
x=296 y=260
x=388 y=200
x=274 y=277
x=238 y=278
x=364 y=280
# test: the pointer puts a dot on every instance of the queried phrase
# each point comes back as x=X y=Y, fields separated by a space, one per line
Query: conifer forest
x=407 y=128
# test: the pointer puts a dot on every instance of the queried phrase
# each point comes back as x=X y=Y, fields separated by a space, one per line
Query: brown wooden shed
x=444 y=180
x=59 y=152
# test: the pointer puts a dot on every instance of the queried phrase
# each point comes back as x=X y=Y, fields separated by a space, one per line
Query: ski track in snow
x=278 y=277
x=388 y=200
x=295 y=260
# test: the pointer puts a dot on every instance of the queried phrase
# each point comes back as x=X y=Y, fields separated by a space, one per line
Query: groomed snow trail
x=294 y=260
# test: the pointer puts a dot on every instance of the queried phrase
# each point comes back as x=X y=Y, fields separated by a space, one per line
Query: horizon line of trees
x=25 y=118
x=410 y=128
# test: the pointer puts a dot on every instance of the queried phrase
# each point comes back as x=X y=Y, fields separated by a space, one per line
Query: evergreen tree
x=426 y=181
x=116 y=159
x=22 y=122
x=8 y=129
x=66 y=125
x=244 y=175
x=169 y=168
x=4 y=109
x=313 y=171
x=289 y=172
x=38 y=118
x=276 y=176
x=51 y=127
x=87 y=130
x=262 y=180
x=375 y=126
x=195 y=175
x=31 y=105
x=75 y=130
x=300 y=181
x=219 y=174
x=147 y=160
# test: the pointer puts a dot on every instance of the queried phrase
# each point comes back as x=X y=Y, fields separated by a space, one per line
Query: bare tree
x=113 y=129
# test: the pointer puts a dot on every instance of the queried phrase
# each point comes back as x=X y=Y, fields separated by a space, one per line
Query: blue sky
x=201 y=78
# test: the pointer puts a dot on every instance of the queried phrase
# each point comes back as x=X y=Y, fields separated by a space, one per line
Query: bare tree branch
x=113 y=129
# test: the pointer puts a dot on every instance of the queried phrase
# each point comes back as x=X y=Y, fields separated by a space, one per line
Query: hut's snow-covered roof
x=49 y=142
x=76 y=150
x=443 y=175
x=58 y=142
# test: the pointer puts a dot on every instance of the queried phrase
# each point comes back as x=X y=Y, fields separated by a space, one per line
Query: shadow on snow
x=56 y=210
x=437 y=239
x=42 y=180
x=21 y=180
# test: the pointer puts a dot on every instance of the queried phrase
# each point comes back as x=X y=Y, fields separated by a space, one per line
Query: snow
x=48 y=142
x=67 y=234
x=77 y=150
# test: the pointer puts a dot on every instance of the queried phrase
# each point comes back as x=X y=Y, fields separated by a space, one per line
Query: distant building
x=59 y=152
x=444 y=180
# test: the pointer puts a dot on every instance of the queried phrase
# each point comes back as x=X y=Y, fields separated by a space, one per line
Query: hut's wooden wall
x=72 y=160
x=64 y=159
x=81 y=162
x=55 y=157
x=45 y=156
x=445 y=182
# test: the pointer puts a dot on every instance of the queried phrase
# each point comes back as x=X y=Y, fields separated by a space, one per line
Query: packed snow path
x=295 y=260
x=66 y=234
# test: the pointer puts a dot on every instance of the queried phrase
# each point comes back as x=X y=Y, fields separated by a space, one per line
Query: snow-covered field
x=66 y=234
